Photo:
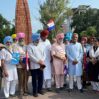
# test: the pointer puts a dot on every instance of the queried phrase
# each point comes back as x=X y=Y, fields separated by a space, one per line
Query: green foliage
x=91 y=31
x=56 y=10
x=87 y=22
x=83 y=33
x=5 y=28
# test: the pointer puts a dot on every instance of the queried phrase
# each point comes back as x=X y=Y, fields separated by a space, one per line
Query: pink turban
x=60 y=35
x=20 y=35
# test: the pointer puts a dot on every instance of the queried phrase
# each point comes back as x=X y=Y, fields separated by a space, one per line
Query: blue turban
x=7 y=39
x=35 y=37
x=66 y=38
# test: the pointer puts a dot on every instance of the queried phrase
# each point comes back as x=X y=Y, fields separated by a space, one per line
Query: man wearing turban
x=22 y=67
x=37 y=57
x=46 y=47
x=58 y=54
x=9 y=69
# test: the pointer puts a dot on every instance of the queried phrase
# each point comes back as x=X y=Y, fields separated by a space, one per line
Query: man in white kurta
x=9 y=69
x=46 y=46
x=75 y=55
x=37 y=57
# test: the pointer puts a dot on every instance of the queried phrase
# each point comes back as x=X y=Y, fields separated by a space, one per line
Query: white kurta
x=35 y=54
x=94 y=54
x=11 y=69
x=46 y=46
x=74 y=51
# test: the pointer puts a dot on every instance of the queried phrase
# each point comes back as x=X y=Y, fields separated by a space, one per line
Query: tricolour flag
x=51 y=25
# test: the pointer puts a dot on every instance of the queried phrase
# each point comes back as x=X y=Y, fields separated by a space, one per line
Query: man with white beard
x=46 y=46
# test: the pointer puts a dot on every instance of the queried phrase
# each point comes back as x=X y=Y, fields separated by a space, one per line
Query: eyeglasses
x=8 y=43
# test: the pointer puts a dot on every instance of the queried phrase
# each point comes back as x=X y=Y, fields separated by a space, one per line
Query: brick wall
x=22 y=20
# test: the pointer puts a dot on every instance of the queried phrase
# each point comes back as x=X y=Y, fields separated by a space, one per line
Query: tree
x=56 y=10
x=83 y=33
x=5 y=28
x=88 y=22
x=91 y=31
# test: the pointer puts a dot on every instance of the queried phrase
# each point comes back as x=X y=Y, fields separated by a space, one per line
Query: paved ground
x=88 y=94
x=63 y=95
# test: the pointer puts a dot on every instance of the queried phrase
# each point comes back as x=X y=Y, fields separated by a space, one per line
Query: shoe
x=62 y=88
x=12 y=95
x=57 y=90
x=6 y=98
x=70 y=90
x=81 y=90
x=97 y=91
x=49 y=89
x=25 y=93
x=65 y=85
x=41 y=92
x=88 y=83
x=21 y=93
x=35 y=95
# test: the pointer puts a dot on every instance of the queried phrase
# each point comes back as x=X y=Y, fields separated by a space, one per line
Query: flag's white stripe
x=50 y=24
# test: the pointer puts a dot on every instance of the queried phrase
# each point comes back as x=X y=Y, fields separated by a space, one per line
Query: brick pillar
x=22 y=21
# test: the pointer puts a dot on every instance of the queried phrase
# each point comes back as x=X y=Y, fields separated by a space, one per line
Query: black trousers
x=93 y=72
x=37 y=80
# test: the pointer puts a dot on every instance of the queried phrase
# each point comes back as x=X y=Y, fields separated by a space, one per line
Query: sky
x=7 y=9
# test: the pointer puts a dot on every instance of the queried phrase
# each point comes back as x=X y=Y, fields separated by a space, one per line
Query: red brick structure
x=22 y=21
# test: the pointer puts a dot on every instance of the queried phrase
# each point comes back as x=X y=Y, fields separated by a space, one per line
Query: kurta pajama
x=74 y=51
x=58 y=64
x=46 y=46
x=10 y=81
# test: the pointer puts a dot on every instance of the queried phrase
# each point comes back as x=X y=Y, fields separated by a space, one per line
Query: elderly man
x=58 y=54
x=46 y=47
x=21 y=68
x=37 y=58
x=75 y=55
x=9 y=68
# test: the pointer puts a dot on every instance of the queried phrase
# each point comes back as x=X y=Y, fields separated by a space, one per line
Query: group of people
x=45 y=61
